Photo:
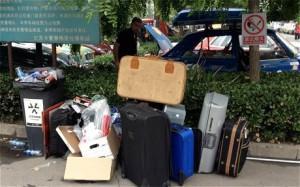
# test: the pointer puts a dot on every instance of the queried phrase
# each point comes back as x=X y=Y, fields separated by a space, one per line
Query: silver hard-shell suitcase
x=176 y=113
x=211 y=121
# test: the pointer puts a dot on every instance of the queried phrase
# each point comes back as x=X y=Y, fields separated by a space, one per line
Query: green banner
x=39 y=21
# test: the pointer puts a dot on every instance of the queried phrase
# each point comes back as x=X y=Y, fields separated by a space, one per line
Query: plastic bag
x=116 y=120
x=96 y=119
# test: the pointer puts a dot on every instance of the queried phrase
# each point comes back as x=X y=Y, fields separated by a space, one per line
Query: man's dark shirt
x=127 y=40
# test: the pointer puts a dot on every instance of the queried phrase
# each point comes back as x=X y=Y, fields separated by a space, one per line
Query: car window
x=270 y=50
x=215 y=47
x=221 y=41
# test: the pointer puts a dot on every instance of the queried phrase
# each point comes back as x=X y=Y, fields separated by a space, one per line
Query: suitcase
x=145 y=145
x=153 y=80
x=176 y=113
x=197 y=148
x=46 y=115
x=58 y=117
x=233 y=147
x=211 y=123
x=182 y=153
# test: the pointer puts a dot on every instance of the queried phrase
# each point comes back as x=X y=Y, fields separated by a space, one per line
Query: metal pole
x=254 y=50
x=274 y=160
x=54 y=55
x=10 y=60
x=39 y=54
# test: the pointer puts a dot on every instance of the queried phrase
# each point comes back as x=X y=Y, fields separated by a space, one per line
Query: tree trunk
x=54 y=56
x=254 y=50
x=10 y=60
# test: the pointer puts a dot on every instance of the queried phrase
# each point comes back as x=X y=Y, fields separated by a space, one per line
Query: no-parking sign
x=254 y=29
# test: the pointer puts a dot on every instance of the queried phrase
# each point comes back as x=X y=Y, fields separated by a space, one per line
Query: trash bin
x=35 y=97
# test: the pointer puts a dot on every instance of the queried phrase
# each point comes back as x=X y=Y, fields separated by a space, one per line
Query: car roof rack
x=190 y=17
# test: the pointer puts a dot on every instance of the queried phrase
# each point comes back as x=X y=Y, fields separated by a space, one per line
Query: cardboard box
x=93 y=169
x=99 y=147
x=86 y=168
x=69 y=137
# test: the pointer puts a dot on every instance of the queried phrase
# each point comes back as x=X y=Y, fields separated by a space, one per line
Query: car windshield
x=288 y=44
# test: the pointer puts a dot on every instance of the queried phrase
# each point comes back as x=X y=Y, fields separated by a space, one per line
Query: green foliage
x=10 y=108
x=175 y=38
x=148 y=48
x=114 y=14
x=278 y=10
x=101 y=81
x=271 y=106
x=164 y=8
x=105 y=61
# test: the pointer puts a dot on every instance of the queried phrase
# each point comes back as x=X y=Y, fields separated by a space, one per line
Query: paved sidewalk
x=266 y=150
x=36 y=171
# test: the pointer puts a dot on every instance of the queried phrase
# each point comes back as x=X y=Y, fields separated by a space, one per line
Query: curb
x=276 y=151
x=13 y=130
x=264 y=150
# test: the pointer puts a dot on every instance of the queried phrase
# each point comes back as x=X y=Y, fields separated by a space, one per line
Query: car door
x=221 y=53
x=163 y=41
x=194 y=49
x=274 y=55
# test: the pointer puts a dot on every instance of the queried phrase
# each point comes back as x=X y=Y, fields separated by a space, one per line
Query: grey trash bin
x=35 y=98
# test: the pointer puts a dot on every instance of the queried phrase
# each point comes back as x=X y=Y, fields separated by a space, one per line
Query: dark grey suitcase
x=145 y=145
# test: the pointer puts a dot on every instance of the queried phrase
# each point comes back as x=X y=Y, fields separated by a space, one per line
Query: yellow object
x=151 y=79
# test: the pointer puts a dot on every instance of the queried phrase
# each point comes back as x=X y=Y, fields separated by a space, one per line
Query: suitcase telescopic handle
x=209 y=141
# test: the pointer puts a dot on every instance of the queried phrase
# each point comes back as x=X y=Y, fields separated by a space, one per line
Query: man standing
x=126 y=43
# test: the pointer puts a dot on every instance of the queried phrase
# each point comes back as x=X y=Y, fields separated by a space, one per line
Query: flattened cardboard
x=69 y=137
x=92 y=169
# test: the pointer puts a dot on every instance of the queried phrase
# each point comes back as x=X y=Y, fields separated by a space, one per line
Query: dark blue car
x=221 y=48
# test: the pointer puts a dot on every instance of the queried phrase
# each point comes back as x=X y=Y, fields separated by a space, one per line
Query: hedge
x=272 y=106
x=10 y=107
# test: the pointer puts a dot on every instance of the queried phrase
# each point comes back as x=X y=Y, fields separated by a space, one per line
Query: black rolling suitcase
x=145 y=145
x=197 y=148
x=233 y=147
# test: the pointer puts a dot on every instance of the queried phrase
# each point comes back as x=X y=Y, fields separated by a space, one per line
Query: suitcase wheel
x=123 y=175
x=181 y=178
x=166 y=184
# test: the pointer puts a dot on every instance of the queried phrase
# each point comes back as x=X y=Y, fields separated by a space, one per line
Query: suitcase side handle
x=169 y=67
x=209 y=141
x=134 y=64
x=131 y=116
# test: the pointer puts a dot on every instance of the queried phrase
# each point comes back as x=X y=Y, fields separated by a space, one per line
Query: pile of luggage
x=155 y=143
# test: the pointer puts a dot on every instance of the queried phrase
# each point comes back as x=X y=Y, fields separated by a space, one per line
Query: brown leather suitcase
x=233 y=147
x=151 y=79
